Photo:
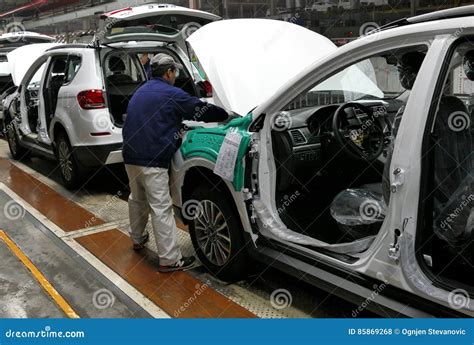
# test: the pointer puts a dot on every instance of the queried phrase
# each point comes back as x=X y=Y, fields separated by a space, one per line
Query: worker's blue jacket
x=153 y=123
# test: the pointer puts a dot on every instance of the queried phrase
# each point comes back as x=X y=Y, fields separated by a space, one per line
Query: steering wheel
x=359 y=138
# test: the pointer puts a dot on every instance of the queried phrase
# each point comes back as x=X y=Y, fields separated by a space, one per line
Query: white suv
x=71 y=103
x=313 y=182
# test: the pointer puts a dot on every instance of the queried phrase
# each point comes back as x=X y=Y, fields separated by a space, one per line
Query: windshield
x=372 y=78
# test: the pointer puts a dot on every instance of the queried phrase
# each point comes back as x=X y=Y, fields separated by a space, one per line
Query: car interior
x=125 y=73
x=335 y=150
x=123 y=76
x=448 y=233
x=55 y=79
x=31 y=98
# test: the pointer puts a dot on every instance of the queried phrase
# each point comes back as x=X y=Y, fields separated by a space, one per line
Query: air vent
x=297 y=137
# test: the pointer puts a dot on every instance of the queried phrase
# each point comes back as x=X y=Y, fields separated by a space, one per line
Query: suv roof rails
x=457 y=12
x=71 y=45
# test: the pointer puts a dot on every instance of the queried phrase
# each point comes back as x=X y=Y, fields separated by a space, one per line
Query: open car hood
x=153 y=22
x=21 y=59
x=248 y=60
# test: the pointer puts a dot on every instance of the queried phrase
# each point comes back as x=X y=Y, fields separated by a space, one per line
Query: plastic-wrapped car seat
x=360 y=212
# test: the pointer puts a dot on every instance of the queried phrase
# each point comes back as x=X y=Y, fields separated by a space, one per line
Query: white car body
x=391 y=259
x=8 y=43
x=93 y=132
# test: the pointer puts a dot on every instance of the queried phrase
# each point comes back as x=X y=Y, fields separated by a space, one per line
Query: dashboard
x=308 y=142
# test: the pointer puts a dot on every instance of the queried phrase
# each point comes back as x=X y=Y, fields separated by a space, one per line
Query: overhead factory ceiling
x=25 y=8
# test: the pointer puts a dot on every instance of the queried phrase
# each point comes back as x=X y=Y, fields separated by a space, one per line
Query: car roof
x=457 y=12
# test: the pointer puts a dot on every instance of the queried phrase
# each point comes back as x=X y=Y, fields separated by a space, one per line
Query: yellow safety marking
x=60 y=301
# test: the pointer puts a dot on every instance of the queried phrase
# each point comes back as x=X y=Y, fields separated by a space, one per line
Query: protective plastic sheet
x=280 y=231
x=455 y=221
x=361 y=206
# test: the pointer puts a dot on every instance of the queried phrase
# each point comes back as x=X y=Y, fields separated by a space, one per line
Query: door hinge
x=398 y=180
x=394 y=249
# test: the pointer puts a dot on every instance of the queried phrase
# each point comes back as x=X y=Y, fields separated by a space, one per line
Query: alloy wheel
x=65 y=162
x=212 y=233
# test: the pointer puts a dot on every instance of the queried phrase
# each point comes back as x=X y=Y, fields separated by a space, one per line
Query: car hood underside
x=248 y=60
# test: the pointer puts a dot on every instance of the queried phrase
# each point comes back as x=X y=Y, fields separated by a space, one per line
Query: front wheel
x=216 y=233
x=70 y=171
x=16 y=150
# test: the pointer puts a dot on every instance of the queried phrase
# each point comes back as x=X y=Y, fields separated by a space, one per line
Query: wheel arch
x=58 y=127
x=196 y=171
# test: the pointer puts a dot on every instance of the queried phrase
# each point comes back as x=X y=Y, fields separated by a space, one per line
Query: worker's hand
x=232 y=116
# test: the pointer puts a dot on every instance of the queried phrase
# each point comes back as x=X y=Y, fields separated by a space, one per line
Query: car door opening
x=332 y=149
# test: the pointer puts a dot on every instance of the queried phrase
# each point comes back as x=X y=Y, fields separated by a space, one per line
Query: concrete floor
x=21 y=295
x=72 y=277
x=105 y=196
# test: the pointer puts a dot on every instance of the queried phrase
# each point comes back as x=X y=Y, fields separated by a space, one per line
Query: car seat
x=117 y=67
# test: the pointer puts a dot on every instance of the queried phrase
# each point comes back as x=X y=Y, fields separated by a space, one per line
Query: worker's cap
x=164 y=60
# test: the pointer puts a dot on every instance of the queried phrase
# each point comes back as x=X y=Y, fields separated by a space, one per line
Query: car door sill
x=40 y=148
x=353 y=286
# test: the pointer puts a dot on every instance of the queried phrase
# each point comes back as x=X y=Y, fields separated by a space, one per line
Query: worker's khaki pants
x=150 y=193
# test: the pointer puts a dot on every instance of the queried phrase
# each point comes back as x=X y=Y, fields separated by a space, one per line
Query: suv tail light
x=91 y=99
x=206 y=88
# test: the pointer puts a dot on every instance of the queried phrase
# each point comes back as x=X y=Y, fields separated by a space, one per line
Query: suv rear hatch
x=133 y=28
x=153 y=22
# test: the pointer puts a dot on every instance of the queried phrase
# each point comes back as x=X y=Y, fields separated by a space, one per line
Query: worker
x=151 y=138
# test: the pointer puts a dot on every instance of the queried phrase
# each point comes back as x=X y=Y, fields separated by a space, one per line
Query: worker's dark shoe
x=185 y=263
x=141 y=245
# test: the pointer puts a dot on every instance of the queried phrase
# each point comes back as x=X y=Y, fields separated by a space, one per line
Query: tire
x=16 y=150
x=71 y=173
x=228 y=265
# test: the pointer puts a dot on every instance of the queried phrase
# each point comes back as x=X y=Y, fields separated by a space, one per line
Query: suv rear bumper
x=91 y=156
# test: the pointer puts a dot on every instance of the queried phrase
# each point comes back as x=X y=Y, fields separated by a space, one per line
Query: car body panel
x=206 y=143
x=21 y=59
x=405 y=275
x=248 y=60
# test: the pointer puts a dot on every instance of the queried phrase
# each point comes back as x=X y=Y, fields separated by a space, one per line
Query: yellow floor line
x=60 y=301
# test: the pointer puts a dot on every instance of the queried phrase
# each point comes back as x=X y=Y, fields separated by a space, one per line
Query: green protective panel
x=206 y=143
